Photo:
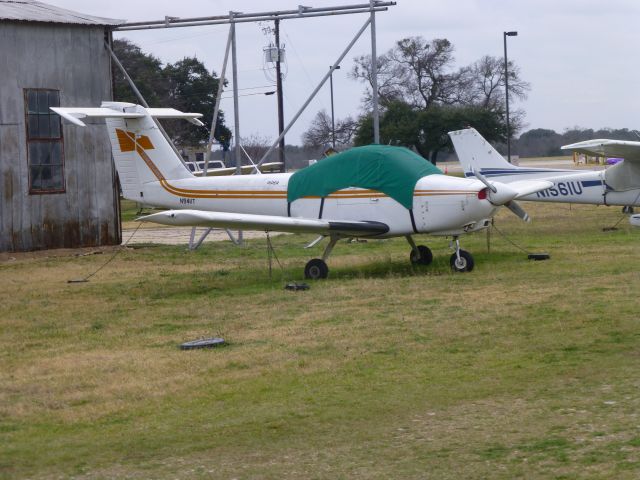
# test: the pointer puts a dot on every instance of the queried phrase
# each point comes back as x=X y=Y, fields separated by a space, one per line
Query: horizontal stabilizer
x=166 y=113
x=272 y=223
x=607 y=148
x=73 y=114
x=111 y=110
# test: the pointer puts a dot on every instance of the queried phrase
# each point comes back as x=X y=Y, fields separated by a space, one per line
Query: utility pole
x=506 y=89
x=236 y=108
x=374 y=74
x=333 y=122
x=279 y=94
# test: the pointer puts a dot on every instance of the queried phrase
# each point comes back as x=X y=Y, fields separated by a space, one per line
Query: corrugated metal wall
x=73 y=60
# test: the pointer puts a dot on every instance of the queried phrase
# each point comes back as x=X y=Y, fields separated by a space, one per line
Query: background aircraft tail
x=474 y=152
x=140 y=151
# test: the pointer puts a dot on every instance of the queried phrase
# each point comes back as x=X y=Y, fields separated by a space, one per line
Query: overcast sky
x=580 y=56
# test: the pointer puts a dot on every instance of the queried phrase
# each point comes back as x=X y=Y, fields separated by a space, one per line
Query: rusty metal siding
x=34 y=11
x=71 y=59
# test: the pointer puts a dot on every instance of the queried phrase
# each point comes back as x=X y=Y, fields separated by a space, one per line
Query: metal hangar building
x=58 y=186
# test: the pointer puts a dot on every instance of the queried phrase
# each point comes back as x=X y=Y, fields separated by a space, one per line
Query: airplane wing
x=272 y=223
x=608 y=148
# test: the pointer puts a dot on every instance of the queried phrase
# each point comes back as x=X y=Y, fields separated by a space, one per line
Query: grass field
x=518 y=369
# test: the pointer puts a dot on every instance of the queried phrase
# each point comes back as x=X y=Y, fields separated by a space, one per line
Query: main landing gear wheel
x=316 y=269
x=421 y=255
x=462 y=264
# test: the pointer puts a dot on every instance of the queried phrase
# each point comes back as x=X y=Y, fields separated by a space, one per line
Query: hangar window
x=44 y=141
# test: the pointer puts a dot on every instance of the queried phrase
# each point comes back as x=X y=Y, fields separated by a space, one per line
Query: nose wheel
x=461 y=261
x=419 y=255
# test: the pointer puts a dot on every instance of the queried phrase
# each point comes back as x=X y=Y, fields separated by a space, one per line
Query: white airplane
x=617 y=185
x=375 y=191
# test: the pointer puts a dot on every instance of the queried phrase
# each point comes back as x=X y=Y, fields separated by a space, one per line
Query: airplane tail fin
x=140 y=151
x=475 y=153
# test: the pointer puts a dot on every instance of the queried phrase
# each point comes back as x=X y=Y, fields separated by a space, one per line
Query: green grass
x=519 y=369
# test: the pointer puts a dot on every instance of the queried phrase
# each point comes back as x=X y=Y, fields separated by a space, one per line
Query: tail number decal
x=187 y=201
x=561 y=189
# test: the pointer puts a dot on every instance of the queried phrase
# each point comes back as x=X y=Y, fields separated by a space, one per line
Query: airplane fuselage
x=570 y=186
x=442 y=205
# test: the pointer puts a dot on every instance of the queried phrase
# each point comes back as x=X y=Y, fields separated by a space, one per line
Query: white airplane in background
x=616 y=185
x=375 y=192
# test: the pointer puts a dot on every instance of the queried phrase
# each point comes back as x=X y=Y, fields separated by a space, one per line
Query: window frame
x=43 y=140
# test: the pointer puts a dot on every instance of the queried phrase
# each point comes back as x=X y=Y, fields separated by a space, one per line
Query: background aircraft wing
x=272 y=223
x=527 y=187
x=608 y=148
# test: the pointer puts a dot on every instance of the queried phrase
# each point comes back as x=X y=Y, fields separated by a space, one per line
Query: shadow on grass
x=239 y=271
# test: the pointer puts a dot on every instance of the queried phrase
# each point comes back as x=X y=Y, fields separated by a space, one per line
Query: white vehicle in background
x=375 y=191
x=198 y=166
x=619 y=184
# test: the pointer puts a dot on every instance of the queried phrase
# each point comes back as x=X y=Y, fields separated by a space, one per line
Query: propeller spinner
x=502 y=194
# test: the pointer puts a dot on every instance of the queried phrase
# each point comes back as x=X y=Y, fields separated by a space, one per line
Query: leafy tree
x=193 y=89
x=185 y=85
x=426 y=130
x=539 y=142
x=145 y=70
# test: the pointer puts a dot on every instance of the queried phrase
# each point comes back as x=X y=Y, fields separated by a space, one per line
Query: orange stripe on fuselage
x=128 y=142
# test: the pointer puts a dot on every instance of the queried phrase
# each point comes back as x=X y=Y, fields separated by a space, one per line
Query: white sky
x=578 y=55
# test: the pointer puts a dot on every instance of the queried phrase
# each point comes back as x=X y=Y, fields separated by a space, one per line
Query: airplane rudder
x=131 y=172
x=472 y=149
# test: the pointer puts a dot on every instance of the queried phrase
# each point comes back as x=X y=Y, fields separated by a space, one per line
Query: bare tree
x=420 y=74
x=413 y=71
x=320 y=131
x=255 y=145
x=483 y=82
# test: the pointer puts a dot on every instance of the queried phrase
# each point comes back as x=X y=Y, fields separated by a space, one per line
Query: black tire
x=421 y=256
x=465 y=264
x=316 y=269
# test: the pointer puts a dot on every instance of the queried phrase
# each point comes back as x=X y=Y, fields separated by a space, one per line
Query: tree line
x=541 y=142
x=422 y=96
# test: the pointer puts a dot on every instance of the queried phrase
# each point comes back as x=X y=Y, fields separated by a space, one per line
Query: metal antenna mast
x=371 y=8
x=279 y=93
x=317 y=89
x=374 y=76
